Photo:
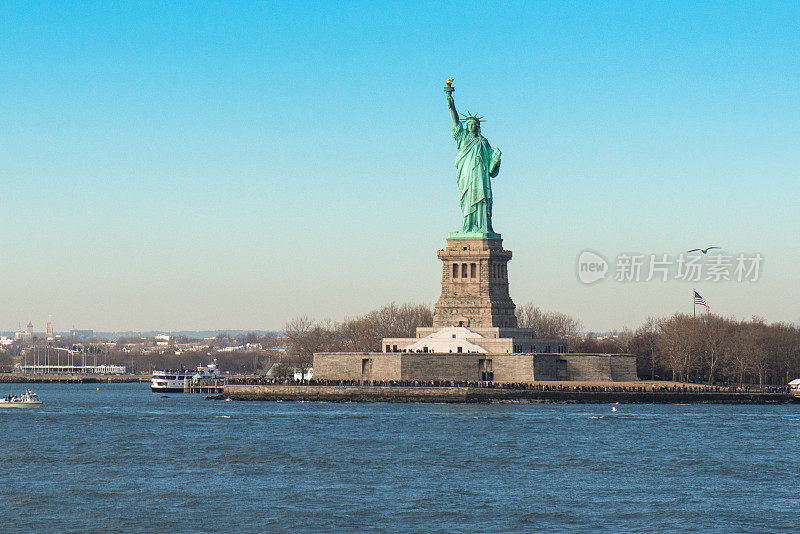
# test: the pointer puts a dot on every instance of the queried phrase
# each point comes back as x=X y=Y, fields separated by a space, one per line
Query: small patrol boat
x=26 y=400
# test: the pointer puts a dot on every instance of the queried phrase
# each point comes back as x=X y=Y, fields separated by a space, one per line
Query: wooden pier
x=211 y=385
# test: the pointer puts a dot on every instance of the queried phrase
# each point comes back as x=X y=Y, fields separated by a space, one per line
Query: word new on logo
x=591 y=267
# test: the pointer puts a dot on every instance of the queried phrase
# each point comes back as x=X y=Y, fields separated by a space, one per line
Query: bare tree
x=644 y=343
x=401 y=321
x=739 y=356
x=547 y=325
x=306 y=338
x=281 y=370
x=249 y=338
x=762 y=349
x=595 y=344
x=361 y=334
x=677 y=345
x=714 y=337
x=783 y=341
x=364 y=334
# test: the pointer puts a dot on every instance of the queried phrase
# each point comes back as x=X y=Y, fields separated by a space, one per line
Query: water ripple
x=124 y=459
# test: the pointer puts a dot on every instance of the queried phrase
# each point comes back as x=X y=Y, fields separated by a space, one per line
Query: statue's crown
x=471 y=117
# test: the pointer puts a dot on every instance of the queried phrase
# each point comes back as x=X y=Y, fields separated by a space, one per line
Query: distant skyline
x=152 y=333
x=200 y=166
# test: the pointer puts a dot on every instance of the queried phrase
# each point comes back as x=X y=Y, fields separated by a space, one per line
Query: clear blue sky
x=232 y=165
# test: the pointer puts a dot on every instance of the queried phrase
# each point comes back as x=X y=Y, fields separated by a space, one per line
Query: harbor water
x=125 y=459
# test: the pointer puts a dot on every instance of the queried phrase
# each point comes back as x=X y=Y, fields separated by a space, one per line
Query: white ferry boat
x=26 y=400
x=794 y=387
x=175 y=381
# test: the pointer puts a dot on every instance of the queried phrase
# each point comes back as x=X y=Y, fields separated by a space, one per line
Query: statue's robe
x=474 y=170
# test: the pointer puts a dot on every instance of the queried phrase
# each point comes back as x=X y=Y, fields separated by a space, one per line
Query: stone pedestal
x=474 y=285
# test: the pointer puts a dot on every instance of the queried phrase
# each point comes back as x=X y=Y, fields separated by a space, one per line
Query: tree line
x=359 y=334
x=708 y=348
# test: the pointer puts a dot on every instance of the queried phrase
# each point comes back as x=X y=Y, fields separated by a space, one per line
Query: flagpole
x=694 y=303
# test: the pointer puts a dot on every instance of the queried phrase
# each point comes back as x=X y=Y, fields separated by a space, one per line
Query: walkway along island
x=489 y=392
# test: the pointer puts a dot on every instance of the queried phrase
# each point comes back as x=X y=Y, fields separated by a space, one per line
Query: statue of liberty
x=476 y=164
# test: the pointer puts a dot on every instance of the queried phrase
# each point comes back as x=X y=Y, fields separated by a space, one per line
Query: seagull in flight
x=703 y=250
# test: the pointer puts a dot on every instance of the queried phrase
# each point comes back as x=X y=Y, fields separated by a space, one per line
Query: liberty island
x=475 y=335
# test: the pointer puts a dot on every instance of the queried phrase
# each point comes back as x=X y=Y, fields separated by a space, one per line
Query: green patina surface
x=460 y=234
x=476 y=164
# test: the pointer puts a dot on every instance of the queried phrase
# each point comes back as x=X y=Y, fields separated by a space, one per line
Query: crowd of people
x=576 y=388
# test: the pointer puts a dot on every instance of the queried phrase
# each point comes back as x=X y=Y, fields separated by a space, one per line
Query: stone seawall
x=465 y=394
x=346 y=393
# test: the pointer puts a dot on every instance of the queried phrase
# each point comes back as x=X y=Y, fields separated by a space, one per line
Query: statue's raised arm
x=448 y=89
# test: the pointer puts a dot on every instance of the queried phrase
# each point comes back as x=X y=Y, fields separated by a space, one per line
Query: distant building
x=48 y=331
x=25 y=334
x=82 y=334
x=74 y=369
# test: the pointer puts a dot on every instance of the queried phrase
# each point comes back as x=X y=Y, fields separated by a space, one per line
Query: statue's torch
x=449 y=87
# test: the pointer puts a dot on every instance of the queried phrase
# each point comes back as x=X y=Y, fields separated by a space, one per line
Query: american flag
x=699 y=300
